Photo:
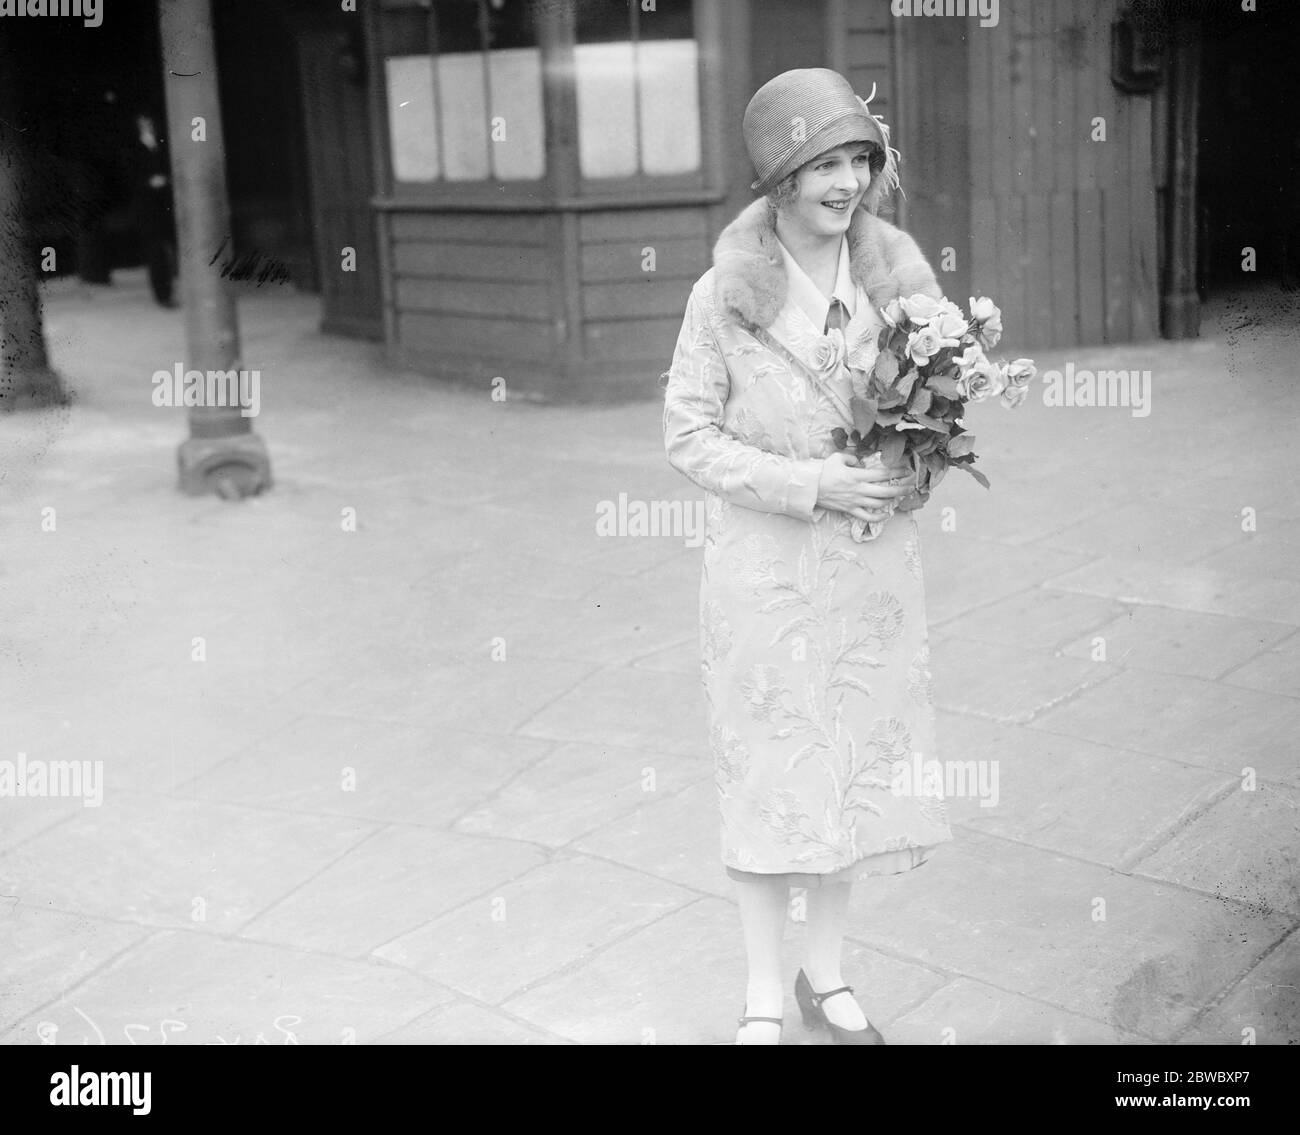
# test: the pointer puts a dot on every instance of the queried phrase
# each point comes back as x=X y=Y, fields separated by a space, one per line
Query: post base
x=232 y=467
x=1180 y=315
x=32 y=389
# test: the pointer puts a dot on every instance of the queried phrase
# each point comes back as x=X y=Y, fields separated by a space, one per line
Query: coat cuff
x=801 y=495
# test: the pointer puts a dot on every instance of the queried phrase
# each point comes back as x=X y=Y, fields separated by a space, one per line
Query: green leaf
x=864 y=414
x=983 y=480
x=920 y=402
x=931 y=423
x=942 y=384
x=891 y=448
x=839 y=438
x=886 y=368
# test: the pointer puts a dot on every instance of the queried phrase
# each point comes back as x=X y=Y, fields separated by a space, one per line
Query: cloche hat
x=802 y=113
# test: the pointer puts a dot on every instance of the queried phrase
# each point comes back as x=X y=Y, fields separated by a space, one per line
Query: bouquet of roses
x=909 y=407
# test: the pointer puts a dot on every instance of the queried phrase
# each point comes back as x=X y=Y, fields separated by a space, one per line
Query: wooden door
x=331 y=66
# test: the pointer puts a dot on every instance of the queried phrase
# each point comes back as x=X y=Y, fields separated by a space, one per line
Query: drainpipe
x=1180 y=306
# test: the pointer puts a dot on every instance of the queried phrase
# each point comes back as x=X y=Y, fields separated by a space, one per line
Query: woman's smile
x=830 y=187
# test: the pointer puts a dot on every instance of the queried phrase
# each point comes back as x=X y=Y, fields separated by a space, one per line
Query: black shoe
x=745 y=1020
x=814 y=1016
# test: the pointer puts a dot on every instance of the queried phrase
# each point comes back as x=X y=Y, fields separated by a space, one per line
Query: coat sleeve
x=698 y=387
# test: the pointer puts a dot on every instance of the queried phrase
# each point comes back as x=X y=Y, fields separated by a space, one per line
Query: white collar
x=808 y=297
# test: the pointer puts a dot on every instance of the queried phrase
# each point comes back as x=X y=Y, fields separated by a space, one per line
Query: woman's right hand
x=860 y=490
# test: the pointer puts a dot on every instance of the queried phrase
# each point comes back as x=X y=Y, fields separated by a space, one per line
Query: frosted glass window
x=670 y=106
x=606 y=87
x=413 y=136
x=515 y=88
x=463 y=116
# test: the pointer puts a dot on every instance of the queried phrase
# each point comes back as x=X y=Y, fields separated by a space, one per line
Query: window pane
x=412 y=124
x=606 y=89
x=516 y=91
x=463 y=116
x=670 y=106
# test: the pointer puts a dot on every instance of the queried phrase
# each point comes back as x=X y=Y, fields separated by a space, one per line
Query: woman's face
x=829 y=188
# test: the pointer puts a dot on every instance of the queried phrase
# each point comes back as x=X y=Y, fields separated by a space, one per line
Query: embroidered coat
x=813 y=634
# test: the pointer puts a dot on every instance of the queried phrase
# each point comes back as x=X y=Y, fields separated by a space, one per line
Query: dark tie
x=836 y=317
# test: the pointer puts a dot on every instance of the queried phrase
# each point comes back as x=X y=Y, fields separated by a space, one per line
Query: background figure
x=99 y=185
x=151 y=207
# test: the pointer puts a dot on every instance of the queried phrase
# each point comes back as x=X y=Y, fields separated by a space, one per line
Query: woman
x=813 y=635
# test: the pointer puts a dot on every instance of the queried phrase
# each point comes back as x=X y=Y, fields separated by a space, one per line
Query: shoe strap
x=818 y=998
x=765 y=1020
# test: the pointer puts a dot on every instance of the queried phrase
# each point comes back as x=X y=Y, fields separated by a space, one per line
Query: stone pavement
x=443 y=778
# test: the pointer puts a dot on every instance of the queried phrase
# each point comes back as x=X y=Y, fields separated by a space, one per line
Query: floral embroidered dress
x=813 y=631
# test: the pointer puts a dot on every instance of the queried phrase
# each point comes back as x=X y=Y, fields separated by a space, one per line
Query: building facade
x=548 y=176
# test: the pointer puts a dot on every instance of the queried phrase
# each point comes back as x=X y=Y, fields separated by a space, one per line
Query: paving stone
x=533 y=926
x=167 y=856
x=182 y=988
x=1023 y=919
x=45 y=952
x=570 y=535
x=389 y=885
x=1000 y=683
x=23 y=817
x=398 y=773
x=1263 y=1007
x=970 y=1012
x=1276 y=671
x=1037 y=619
x=473 y=694
x=1201 y=723
x=1189 y=587
x=491 y=573
x=1178 y=642
x=1067 y=795
x=1246 y=847
x=1171 y=533
x=607 y=708
x=640 y=992
x=576 y=788
x=677 y=837
x=681 y=658
x=962 y=573
x=466 y=1023
x=1273 y=553
x=155 y=745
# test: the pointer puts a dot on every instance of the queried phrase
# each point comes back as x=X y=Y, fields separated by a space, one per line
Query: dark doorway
x=1248 y=165
x=331 y=63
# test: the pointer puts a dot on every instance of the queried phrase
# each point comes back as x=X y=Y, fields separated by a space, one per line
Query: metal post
x=222 y=453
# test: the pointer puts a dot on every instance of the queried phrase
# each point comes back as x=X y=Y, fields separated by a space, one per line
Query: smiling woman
x=813 y=632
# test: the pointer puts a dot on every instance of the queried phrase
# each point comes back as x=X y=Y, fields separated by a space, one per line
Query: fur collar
x=749 y=275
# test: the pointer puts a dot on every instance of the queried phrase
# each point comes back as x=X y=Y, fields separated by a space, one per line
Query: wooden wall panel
x=1072 y=257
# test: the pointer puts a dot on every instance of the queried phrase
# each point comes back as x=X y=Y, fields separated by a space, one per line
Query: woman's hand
x=863 y=491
